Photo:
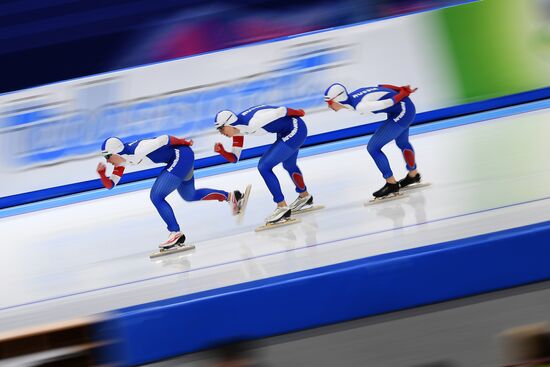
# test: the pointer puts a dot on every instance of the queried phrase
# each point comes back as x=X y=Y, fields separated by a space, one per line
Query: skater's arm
x=264 y=117
x=237 y=147
x=389 y=86
x=366 y=106
x=109 y=182
x=147 y=146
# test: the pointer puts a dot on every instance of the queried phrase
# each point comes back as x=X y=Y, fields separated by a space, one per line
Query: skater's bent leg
x=385 y=133
x=295 y=174
x=165 y=183
x=265 y=166
x=407 y=149
x=188 y=192
x=277 y=153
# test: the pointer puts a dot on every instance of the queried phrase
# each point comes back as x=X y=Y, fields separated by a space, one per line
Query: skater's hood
x=224 y=118
x=337 y=93
x=112 y=145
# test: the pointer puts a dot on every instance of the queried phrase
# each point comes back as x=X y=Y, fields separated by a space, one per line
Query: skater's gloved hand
x=101 y=168
x=230 y=157
x=174 y=141
x=408 y=89
x=293 y=112
x=106 y=181
x=404 y=92
x=218 y=148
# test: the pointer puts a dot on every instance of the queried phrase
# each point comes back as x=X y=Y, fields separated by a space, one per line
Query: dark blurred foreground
x=506 y=328
x=500 y=329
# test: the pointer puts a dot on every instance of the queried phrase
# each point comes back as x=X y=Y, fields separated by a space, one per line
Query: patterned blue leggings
x=285 y=151
x=396 y=127
x=180 y=177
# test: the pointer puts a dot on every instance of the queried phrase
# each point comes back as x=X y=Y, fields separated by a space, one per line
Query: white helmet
x=223 y=118
x=112 y=145
x=337 y=93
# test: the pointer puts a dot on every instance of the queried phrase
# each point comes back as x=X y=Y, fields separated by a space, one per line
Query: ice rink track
x=92 y=256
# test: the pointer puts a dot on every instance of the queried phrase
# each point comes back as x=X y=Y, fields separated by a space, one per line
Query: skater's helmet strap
x=224 y=118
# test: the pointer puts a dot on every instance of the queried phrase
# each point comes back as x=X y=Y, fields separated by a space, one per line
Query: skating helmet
x=224 y=118
x=112 y=145
x=336 y=93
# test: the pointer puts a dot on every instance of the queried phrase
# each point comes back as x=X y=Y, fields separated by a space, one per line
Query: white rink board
x=93 y=256
x=67 y=122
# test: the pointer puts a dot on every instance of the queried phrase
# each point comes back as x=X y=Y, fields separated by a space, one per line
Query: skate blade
x=415 y=186
x=246 y=194
x=281 y=223
x=385 y=199
x=310 y=209
x=173 y=250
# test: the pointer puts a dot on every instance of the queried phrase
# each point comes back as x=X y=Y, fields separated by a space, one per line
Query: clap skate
x=388 y=192
x=304 y=205
x=280 y=217
x=174 y=244
x=239 y=200
x=415 y=182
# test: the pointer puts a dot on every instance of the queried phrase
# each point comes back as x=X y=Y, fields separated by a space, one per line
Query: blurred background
x=76 y=72
x=48 y=41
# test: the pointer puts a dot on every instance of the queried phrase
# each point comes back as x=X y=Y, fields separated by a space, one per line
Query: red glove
x=409 y=89
x=230 y=157
x=293 y=112
x=180 y=141
x=106 y=181
x=101 y=168
x=404 y=92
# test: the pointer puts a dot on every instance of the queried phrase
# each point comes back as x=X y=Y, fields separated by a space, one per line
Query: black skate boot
x=239 y=200
x=235 y=201
x=408 y=180
x=387 y=190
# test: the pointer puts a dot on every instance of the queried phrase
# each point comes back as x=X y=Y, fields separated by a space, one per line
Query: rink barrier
x=331 y=294
x=323 y=138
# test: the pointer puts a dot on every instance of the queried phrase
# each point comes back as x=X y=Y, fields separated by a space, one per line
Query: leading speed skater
x=400 y=110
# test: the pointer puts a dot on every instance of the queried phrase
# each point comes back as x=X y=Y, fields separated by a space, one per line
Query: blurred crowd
x=527 y=346
x=48 y=41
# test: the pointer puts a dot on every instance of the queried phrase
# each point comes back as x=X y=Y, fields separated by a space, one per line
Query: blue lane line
x=252 y=163
x=395 y=254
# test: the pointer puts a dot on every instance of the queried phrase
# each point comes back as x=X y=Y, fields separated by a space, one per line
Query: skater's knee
x=186 y=195
x=373 y=148
x=264 y=167
x=156 y=198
